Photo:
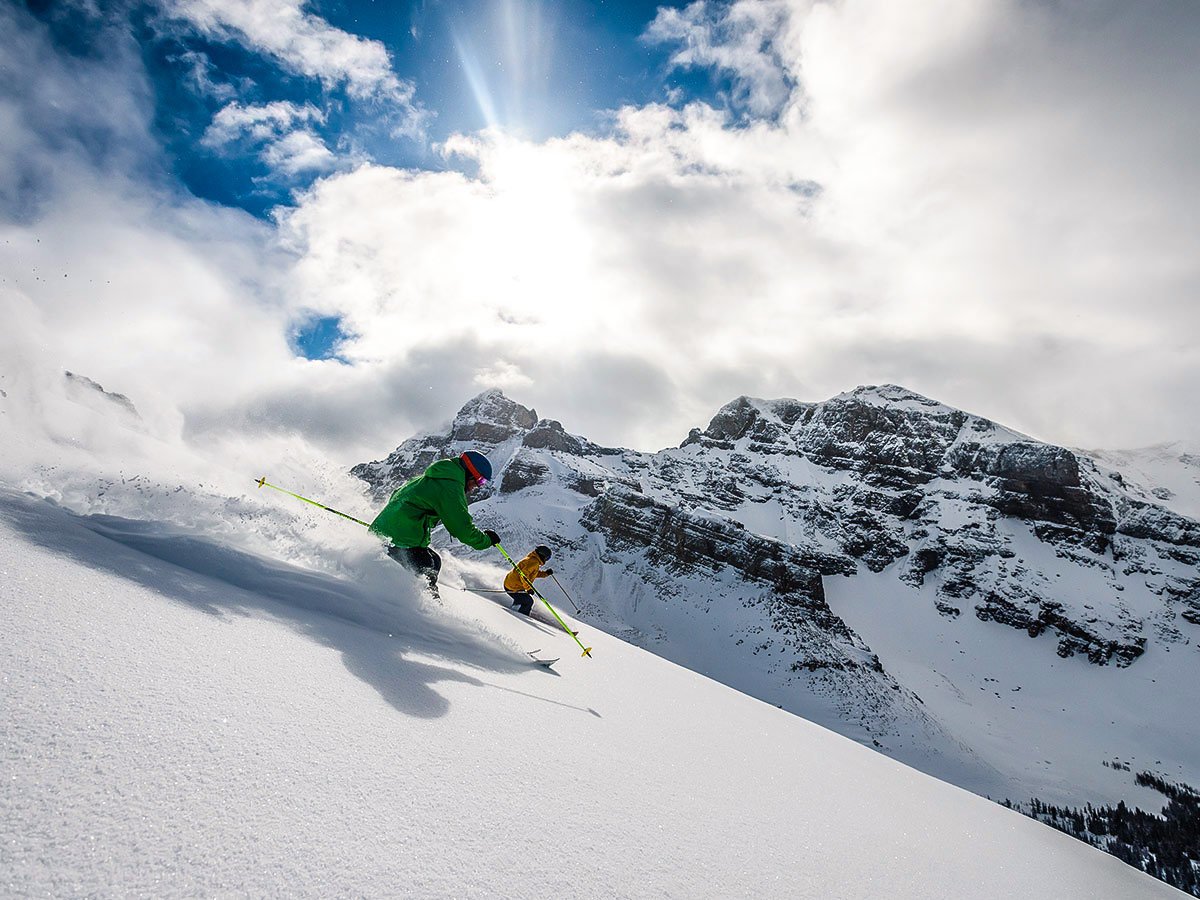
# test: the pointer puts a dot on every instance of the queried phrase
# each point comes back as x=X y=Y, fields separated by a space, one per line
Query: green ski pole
x=587 y=651
x=262 y=482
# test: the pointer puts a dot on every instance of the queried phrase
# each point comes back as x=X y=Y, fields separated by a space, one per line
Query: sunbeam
x=478 y=84
x=506 y=59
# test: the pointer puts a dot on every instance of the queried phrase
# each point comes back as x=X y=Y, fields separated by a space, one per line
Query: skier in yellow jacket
x=519 y=582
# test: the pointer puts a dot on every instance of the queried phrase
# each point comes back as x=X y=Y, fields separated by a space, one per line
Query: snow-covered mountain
x=1020 y=619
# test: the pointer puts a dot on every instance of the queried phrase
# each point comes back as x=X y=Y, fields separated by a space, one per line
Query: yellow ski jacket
x=531 y=568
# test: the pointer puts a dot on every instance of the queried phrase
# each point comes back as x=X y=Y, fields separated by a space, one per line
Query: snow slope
x=1168 y=474
x=185 y=718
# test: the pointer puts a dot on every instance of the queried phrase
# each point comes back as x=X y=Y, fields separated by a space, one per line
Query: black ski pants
x=420 y=561
x=523 y=600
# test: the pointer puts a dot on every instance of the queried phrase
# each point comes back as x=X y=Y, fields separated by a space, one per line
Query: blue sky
x=336 y=222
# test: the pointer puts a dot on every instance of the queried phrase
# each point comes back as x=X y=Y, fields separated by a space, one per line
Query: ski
x=544 y=663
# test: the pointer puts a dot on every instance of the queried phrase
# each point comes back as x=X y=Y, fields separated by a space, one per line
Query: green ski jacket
x=417 y=507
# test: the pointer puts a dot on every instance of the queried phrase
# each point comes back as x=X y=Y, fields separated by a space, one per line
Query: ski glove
x=547 y=571
x=492 y=536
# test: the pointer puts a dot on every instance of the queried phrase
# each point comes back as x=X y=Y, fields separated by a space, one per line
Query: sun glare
x=505 y=59
x=538 y=233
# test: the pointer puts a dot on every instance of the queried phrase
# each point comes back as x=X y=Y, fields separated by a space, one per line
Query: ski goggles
x=479 y=479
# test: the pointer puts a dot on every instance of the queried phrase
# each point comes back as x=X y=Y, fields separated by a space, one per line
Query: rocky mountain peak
x=890 y=435
x=485 y=422
x=733 y=419
x=491 y=418
x=890 y=395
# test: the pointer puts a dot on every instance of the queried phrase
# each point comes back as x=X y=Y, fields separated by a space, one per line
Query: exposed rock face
x=1044 y=484
x=524 y=471
x=549 y=435
x=676 y=539
x=691 y=545
x=897 y=441
x=491 y=418
x=1142 y=520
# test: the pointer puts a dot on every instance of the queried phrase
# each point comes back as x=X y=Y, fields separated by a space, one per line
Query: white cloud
x=741 y=40
x=503 y=375
x=95 y=115
x=301 y=41
x=260 y=122
x=299 y=152
x=200 y=71
x=176 y=303
x=288 y=147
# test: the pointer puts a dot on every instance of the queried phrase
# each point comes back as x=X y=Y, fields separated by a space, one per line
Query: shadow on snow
x=377 y=637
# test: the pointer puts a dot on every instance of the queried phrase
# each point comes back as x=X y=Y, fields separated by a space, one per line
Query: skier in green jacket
x=416 y=508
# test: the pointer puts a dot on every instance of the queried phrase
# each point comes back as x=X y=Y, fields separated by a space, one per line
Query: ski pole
x=587 y=651
x=262 y=482
x=564 y=590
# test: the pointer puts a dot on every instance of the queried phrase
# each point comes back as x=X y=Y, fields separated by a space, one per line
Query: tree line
x=1166 y=845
